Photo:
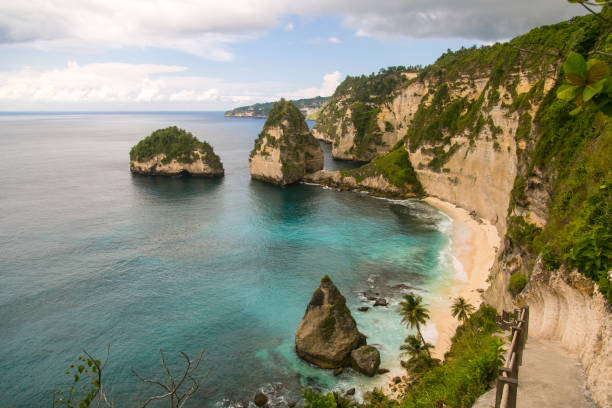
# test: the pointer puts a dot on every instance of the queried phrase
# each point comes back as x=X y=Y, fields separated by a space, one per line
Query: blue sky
x=212 y=55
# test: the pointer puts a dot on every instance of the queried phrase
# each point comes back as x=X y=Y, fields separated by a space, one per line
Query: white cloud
x=333 y=40
x=206 y=28
x=327 y=88
x=289 y=27
x=105 y=85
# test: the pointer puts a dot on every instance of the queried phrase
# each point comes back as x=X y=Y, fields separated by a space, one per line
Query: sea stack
x=328 y=333
x=285 y=149
x=172 y=152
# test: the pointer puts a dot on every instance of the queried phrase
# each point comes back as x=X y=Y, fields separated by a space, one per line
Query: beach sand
x=474 y=245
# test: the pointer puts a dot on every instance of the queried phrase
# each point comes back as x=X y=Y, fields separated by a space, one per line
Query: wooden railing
x=507 y=380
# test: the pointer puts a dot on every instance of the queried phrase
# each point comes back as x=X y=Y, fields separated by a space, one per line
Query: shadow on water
x=283 y=205
x=170 y=188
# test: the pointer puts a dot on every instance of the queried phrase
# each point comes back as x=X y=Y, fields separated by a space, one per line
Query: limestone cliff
x=363 y=120
x=485 y=131
x=285 y=149
x=173 y=151
x=327 y=333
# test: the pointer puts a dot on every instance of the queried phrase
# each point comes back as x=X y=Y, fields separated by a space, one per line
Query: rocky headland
x=173 y=152
x=285 y=150
x=328 y=336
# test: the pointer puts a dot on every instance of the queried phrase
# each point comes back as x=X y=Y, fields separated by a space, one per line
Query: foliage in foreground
x=471 y=364
x=175 y=143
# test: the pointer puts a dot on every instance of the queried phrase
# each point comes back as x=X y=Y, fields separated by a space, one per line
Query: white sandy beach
x=474 y=245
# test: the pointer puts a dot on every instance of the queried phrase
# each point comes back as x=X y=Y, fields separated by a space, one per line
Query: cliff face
x=173 y=151
x=484 y=130
x=360 y=120
x=285 y=149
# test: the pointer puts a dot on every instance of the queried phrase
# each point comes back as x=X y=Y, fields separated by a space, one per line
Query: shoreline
x=474 y=244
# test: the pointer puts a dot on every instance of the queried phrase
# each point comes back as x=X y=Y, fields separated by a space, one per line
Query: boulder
x=366 y=360
x=381 y=302
x=383 y=371
x=260 y=399
x=363 y=308
x=327 y=333
x=285 y=150
x=350 y=391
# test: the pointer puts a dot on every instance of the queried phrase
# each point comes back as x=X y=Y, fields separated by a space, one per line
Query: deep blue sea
x=91 y=255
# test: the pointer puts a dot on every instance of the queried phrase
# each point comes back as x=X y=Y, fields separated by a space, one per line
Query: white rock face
x=282 y=159
x=155 y=166
x=564 y=306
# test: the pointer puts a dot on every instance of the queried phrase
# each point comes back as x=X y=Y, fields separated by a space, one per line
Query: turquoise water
x=91 y=255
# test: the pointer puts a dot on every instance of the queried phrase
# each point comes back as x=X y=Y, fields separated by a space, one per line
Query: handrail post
x=519 y=345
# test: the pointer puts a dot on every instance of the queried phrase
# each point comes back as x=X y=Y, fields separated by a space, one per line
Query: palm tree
x=461 y=309
x=413 y=346
x=414 y=314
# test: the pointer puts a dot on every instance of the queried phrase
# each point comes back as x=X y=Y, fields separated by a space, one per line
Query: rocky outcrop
x=389 y=176
x=377 y=184
x=309 y=108
x=285 y=150
x=366 y=360
x=327 y=334
x=172 y=152
x=158 y=165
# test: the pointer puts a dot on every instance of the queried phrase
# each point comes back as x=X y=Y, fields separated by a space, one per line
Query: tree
x=419 y=360
x=461 y=309
x=88 y=389
x=414 y=313
x=176 y=394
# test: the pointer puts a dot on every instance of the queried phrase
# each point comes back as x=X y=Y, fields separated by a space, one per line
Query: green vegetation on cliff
x=395 y=167
x=176 y=144
x=363 y=95
x=574 y=153
x=261 y=110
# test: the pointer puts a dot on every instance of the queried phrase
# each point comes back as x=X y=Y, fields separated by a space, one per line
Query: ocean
x=92 y=256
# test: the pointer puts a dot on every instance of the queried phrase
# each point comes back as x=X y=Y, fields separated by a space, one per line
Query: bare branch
x=596 y=14
x=558 y=54
x=601 y=53
x=145 y=380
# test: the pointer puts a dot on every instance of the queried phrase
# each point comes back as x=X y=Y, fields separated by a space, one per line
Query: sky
x=110 y=55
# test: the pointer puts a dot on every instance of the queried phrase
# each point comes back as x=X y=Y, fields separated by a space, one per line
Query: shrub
x=518 y=281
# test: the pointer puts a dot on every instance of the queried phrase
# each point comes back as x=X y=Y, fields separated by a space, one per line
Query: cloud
x=327 y=88
x=333 y=40
x=207 y=28
x=112 y=84
x=289 y=27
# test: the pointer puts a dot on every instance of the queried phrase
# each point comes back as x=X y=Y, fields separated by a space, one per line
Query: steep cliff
x=360 y=120
x=484 y=130
x=285 y=149
x=173 y=151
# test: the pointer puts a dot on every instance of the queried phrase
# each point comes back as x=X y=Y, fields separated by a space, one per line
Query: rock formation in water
x=173 y=151
x=366 y=360
x=285 y=149
x=328 y=333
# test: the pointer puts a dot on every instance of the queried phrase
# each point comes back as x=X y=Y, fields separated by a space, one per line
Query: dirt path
x=548 y=378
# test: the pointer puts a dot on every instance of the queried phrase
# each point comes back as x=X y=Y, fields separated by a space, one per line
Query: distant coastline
x=309 y=107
